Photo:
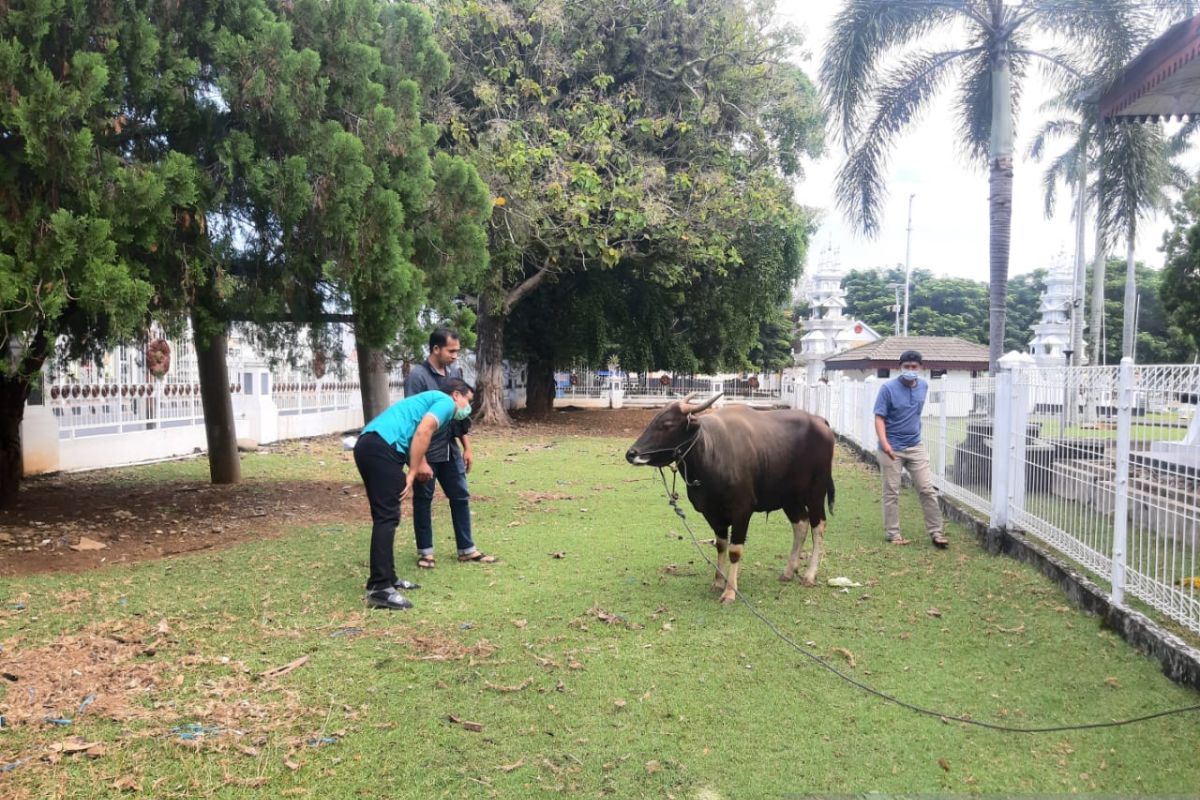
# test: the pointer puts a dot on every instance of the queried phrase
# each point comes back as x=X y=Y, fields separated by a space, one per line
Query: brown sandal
x=478 y=558
x=939 y=541
x=897 y=540
x=426 y=562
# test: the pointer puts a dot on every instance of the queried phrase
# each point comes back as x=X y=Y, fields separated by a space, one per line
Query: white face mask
x=909 y=374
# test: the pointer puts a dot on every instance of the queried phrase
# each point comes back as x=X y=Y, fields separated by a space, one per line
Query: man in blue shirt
x=400 y=436
x=898 y=425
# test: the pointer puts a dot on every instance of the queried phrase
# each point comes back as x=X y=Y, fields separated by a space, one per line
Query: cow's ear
x=691 y=420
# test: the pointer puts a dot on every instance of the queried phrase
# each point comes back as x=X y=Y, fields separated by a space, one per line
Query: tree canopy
x=656 y=136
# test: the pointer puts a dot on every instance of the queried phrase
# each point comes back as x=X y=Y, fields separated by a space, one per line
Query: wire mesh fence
x=1100 y=463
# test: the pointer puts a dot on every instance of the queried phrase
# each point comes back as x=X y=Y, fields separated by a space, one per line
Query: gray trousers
x=916 y=461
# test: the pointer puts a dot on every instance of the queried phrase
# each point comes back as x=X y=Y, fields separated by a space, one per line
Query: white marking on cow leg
x=735 y=558
x=799 y=534
x=718 y=584
x=818 y=543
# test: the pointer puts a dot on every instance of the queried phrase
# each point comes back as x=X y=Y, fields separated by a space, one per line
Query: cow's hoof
x=807 y=581
x=728 y=597
x=784 y=577
x=717 y=586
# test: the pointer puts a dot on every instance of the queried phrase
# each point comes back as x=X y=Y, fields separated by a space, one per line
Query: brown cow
x=738 y=460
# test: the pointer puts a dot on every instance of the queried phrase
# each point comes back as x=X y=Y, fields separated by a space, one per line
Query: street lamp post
x=908 y=262
x=1067 y=401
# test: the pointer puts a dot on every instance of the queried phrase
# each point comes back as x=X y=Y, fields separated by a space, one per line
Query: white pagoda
x=827 y=330
x=1052 y=336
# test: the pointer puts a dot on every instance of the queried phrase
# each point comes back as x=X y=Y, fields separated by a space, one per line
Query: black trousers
x=382 y=469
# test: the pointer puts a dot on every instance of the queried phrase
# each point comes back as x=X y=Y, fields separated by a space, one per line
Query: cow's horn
x=706 y=403
x=684 y=402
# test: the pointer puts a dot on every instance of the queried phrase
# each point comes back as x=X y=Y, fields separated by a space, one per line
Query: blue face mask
x=462 y=413
x=909 y=374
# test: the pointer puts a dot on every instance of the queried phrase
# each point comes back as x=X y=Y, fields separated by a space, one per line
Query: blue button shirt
x=900 y=406
x=398 y=424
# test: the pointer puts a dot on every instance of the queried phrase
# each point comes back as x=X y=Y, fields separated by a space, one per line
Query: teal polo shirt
x=398 y=424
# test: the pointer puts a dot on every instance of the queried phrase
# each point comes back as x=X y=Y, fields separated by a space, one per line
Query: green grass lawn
x=609 y=670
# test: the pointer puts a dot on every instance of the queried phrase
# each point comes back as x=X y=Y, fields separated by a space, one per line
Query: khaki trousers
x=916 y=461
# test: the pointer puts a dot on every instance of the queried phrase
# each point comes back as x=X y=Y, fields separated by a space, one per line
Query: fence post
x=1121 y=504
x=943 y=384
x=1018 y=441
x=1001 y=452
x=866 y=414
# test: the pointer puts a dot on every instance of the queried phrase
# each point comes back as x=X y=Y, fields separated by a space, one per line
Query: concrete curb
x=1179 y=661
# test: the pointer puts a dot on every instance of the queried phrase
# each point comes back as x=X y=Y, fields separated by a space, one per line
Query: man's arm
x=882 y=407
x=468 y=459
x=881 y=432
x=420 y=469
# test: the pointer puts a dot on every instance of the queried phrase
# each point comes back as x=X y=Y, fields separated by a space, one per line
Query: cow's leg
x=814 y=560
x=721 y=538
x=718 y=584
x=799 y=534
x=737 y=542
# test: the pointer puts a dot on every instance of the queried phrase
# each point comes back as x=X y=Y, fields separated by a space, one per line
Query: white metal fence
x=1100 y=463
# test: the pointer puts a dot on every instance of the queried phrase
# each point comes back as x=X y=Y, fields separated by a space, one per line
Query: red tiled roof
x=939 y=352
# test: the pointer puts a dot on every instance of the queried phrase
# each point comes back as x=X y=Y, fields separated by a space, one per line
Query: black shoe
x=402 y=585
x=389 y=599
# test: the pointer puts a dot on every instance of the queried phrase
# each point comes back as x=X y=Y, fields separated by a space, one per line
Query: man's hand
x=423 y=472
x=887 y=448
x=407 y=487
x=468 y=459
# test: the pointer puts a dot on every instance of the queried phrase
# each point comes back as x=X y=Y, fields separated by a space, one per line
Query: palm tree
x=1127 y=171
x=877 y=77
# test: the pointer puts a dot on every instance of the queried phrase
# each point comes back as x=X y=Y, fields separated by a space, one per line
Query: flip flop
x=426 y=562
x=478 y=558
x=898 y=541
x=939 y=541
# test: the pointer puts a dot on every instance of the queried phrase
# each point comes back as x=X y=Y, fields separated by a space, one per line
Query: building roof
x=1161 y=83
x=939 y=352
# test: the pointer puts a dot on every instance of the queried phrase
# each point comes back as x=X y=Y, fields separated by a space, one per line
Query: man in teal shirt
x=400 y=436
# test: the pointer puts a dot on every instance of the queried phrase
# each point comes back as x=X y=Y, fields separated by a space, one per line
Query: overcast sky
x=950 y=211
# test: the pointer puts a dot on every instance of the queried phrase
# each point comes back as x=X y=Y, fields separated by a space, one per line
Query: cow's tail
x=829 y=491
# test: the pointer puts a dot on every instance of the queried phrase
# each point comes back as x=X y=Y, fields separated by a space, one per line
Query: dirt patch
x=60 y=520
x=97 y=672
x=619 y=423
x=75 y=522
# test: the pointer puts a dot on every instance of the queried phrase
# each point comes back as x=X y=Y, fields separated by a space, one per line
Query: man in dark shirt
x=898 y=425
x=443 y=458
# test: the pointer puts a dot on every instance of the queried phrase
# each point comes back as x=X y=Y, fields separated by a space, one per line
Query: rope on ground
x=673 y=500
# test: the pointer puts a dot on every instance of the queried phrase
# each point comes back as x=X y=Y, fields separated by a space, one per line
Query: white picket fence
x=1100 y=463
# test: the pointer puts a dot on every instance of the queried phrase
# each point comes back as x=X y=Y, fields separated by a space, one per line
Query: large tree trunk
x=373 y=376
x=489 y=364
x=219 y=429
x=1000 y=206
x=1129 y=329
x=539 y=388
x=14 y=391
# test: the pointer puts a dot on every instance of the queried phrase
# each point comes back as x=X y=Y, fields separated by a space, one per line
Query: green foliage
x=943 y=306
x=79 y=215
x=1179 y=291
x=653 y=140
x=1160 y=337
x=334 y=168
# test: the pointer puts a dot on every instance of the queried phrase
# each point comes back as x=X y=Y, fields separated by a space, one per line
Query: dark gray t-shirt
x=424 y=378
